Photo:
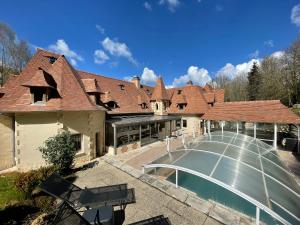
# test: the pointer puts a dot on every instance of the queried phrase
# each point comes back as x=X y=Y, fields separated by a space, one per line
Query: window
x=77 y=139
x=144 y=106
x=112 y=104
x=181 y=106
x=122 y=87
x=178 y=123
x=1 y=95
x=38 y=95
x=179 y=92
x=184 y=123
x=156 y=106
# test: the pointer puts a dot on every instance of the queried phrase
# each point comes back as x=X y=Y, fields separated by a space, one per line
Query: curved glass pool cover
x=242 y=165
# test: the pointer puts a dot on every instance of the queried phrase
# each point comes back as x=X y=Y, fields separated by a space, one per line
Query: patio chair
x=67 y=215
x=114 y=195
x=157 y=220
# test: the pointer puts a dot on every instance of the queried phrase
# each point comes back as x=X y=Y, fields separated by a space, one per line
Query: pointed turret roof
x=160 y=92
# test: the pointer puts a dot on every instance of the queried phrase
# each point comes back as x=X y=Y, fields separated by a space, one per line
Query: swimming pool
x=238 y=171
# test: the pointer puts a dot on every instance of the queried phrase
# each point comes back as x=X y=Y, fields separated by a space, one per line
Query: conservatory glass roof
x=243 y=165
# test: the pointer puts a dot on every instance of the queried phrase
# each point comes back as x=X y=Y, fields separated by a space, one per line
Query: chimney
x=137 y=81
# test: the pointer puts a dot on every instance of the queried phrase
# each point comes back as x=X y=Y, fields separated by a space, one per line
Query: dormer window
x=38 y=95
x=181 y=106
x=179 y=92
x=111 y=104
x=122 y=87
x=42 y=87
x=144 y=105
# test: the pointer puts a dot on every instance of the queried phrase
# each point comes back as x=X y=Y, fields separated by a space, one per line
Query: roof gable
x=72 y=96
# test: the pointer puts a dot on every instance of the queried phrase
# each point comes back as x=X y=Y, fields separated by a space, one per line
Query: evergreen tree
x=253 y=82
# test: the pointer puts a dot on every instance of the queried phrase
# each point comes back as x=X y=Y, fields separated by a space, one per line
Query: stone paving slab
x=216 y=211
x=149 y=200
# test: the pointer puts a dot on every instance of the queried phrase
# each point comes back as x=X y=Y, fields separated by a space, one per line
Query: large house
x=103 y=114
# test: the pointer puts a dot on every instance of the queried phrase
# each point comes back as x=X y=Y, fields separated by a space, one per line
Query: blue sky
x=177 y=39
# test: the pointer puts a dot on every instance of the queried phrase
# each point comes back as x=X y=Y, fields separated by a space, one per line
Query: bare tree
x=291 y=72
x=14 y=54
x=235 y=88
x=272 y=84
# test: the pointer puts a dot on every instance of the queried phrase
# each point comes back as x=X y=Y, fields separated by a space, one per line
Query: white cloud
x=198 y=76
x=61 y=47
x=148 y=6
x=254 y=54
x=232 y=71
x=119 y=49
x=171 y=4
x=100 y=28
x=278 y=54
x=100 y=57
x=169 y=86
x=269 y=43
x=148 y=76
x=295 y=15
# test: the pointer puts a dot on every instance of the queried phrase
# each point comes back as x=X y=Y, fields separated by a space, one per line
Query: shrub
x=46 y=204
x=27 y=182
x=60 y=151
x=16 y=212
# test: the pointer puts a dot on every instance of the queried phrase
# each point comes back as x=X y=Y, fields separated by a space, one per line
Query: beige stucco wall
x=32 y=129
x=193 y=122
x=6 y=142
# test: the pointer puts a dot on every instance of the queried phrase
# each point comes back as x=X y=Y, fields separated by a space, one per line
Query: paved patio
x=149 y=200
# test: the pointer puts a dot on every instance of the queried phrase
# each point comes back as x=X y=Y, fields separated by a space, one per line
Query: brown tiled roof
x=126 y=99
x=159 y=92
x=219 y=95
x=179 y=98
x=269 y=111
x=209 y=96
x=208 y=88
x=72 y=96
x=39 y=79
x=72 y=87
x=107 y=97
x=196 y=103
x=147 y=89
x=90 y=85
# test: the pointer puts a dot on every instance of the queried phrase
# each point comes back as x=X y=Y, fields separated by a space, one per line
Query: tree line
x=14 y=53
x=274 y=77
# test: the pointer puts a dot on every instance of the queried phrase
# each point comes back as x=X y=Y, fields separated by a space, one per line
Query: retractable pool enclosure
x=236 y=170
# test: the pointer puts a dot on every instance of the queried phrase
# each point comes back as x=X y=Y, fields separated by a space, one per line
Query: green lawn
x=7 y=191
